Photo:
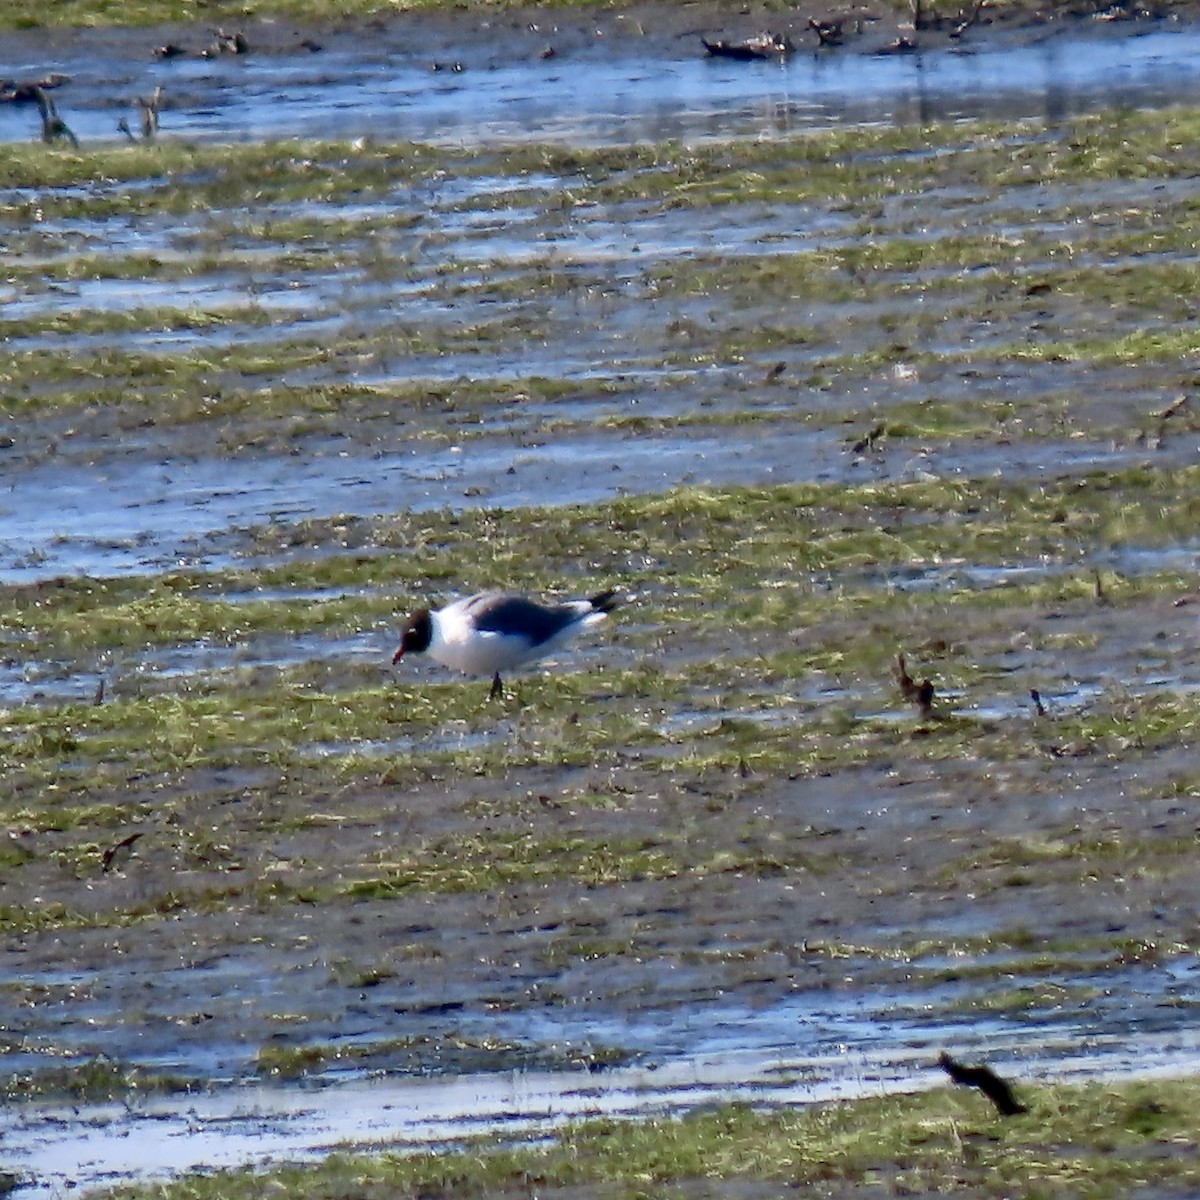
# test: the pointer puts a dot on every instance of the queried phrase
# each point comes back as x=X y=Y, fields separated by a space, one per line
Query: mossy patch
x=1082 y=1141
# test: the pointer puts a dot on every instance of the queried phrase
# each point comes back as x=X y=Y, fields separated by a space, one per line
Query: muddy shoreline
x=653 y=31
x=956 y=385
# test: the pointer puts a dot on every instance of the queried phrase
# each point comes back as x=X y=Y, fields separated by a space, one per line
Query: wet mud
x=355 y=938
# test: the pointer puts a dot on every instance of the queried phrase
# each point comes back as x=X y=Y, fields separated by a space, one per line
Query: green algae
x=160 y=319
x=723 y=546
x=451 y=1053
x=95 y=1080
x=855 y=321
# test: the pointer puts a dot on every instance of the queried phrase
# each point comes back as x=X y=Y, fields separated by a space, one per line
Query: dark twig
x=867 y=442
x=1175 y=407
x=53 y=126
x=149 y=107
x=118 y=853
x=987 y=1081
x=1038 y=706
x=921 y=694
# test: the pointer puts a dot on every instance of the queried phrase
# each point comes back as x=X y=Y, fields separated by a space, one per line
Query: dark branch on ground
x=997 y=1090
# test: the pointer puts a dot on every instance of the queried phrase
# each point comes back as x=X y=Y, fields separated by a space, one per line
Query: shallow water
x=353 y=89
x=790 y=1052
x=165 y=514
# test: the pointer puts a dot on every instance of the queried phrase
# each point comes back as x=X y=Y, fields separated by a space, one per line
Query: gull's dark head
x=418 y=633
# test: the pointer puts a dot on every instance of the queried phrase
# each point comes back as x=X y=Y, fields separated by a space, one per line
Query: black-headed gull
x=493 y=632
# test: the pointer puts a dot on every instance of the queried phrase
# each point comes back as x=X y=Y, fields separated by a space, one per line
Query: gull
x=492 y=632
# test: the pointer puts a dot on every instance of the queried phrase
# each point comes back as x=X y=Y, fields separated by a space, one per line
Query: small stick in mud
x=908 y=685
x=149 y=109
x=1101 y=598
x=987 y=1081
x=1176 y=406
x=1038 y=706
x=98 y=694
x=53 y=126
x=868 y=441
x=118 y=854
x=922 y=694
